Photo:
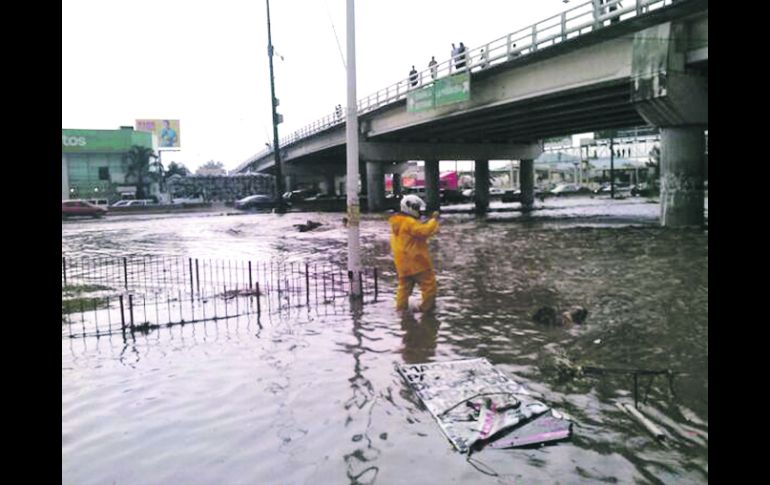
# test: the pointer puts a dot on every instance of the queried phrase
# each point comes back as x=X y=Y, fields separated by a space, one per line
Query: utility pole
x=351 y=137
x=612 y=167
x=279 y=204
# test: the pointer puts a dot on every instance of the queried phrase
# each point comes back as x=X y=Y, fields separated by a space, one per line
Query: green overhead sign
x=420 y=100
x=453 y=89
x=448 y=90
x=102 y=141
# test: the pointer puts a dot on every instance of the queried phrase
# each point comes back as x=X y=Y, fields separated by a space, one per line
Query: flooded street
x=312 y=395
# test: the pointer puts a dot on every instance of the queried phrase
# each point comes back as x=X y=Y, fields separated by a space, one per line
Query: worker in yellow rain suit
x=409 y=241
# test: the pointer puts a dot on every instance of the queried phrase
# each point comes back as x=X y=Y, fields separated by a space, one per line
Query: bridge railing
x=573 y=22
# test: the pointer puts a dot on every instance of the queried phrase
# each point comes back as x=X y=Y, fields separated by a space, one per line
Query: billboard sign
x=166 y=131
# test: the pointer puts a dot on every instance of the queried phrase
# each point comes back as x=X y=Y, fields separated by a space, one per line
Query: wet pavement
x=313 y=396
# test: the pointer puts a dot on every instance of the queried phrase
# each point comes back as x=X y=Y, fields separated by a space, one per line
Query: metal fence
x=107 y=295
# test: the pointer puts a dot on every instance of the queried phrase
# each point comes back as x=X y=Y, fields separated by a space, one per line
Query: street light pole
x=280 y=208
x=351 y=136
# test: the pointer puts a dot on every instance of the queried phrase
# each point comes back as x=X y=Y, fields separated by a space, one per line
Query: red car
x=70 y=208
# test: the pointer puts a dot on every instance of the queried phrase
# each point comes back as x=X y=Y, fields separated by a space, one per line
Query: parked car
x=99 y=202
x=140 y=203
x=643 y=189
x=562 y=189
x=297 y=195
x=73 y=208
x=187 y=200
x=120 y=203
x=511 y=195
x=496 y=192
x=259 y=201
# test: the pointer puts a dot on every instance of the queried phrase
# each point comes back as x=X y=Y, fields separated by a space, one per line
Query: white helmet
x=411 y=204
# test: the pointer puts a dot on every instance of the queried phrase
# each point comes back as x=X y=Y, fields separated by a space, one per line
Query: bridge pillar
x=481 y=192
x=375 y=183
x=329 y=183
x=432 y=186
x=527 y=181
x=288 y=182
x=682 y=151
x=397 y=187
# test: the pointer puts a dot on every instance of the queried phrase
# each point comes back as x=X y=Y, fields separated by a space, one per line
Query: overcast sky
x=205 y=62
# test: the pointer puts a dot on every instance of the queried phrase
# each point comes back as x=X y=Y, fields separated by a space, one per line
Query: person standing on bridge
x=413 y=77
x=460 y=56
x=484 y=59
x=432 y=65
x=409 y=242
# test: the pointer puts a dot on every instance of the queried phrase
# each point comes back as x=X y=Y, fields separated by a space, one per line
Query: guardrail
x=573 y=22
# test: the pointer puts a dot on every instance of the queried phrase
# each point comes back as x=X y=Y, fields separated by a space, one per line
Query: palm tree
x=139 y=167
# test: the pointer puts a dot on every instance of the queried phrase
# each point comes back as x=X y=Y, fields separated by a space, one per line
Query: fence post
x=122 y=315
x=192 y=287
x=131 y=310
x=125 y=273
x=307 y=283
x=376 y=286
x=259 y=307
x=197 y=277
x=250 y=283
x=64 y=269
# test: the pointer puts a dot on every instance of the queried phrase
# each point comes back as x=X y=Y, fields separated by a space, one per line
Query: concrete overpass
x=593 y=67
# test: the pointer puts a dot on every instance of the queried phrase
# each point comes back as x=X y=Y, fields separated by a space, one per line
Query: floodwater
x=312 y=395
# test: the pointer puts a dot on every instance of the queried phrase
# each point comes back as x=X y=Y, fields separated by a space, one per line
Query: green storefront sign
x=102 y=141
x=449 y=90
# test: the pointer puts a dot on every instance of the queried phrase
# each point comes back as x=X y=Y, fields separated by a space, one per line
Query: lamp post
x=280 y=207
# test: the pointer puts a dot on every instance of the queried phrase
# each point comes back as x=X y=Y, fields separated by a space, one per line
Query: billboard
x=166 y=131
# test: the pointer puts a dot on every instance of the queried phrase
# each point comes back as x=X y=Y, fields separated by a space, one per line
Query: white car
x=565 y=189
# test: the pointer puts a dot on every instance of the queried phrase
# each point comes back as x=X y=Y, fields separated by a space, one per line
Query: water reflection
x=419 y=337
x=359 y=462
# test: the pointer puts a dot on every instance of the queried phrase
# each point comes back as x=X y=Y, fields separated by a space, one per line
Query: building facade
x=93 y=162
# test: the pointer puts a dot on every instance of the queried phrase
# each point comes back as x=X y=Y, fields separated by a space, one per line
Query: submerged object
x=642 y=419
x=476 y=405
x=309 y=226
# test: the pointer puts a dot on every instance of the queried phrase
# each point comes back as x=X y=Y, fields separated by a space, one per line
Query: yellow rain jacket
x=409 y=242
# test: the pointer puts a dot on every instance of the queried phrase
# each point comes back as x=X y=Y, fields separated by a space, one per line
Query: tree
x=654 y=164
x=140 y=168
x=176 y=169
x=211 y=167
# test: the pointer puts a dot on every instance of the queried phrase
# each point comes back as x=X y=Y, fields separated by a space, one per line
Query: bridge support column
x=682 y=151
x=397 y=187
x=481 y=192
x=288 y=182
x=329 y=184
x=432 y=185
x=375 y=183
x=527 y=181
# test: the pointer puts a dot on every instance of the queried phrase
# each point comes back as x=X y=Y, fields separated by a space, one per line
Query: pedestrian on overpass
x=432 y=65
x=413 y=77
x=409 y=243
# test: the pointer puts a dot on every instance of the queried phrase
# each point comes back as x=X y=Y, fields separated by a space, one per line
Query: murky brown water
x=313 y=396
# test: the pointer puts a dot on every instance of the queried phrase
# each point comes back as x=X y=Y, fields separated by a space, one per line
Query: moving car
x=259 y=201
x=73 y=208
